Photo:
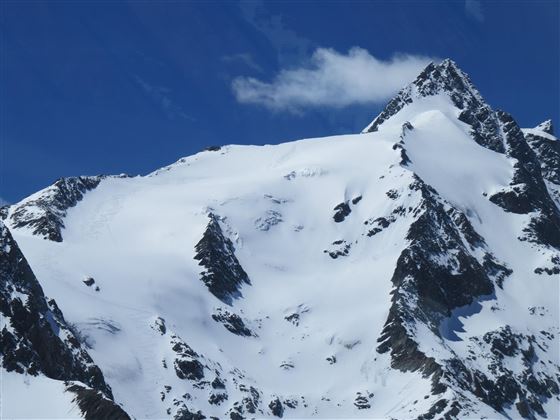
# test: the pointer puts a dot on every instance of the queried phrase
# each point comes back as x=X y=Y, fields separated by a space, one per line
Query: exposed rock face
x=187 y=364
x=223 y=275
x=378 y=224
x=232 y=322
x=435 y=274
x=36 y=340
x=530 y=385
x=438 y=272
x=276 y=407
x=503 y=371
x=94 y=405
x=4 y=210
x=339 y=248
x=341 y=211
x=362 y=401
x=547 y=150
x=44 y=212
x=527 y=192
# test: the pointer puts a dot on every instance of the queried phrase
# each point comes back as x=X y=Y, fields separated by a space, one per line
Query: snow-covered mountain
x=410 y=271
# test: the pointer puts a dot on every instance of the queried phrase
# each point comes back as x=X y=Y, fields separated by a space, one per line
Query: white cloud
x=332 y=79
x=473 y=9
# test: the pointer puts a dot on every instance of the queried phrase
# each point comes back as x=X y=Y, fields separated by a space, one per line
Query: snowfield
x=136 y=238
x=34 y=397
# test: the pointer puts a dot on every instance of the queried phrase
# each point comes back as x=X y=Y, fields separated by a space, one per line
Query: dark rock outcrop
x=548 y=155
x=185 y=413
x=249 y=405
x=276 y=407
x=187 y=362
x=223 y=274
x=341 y=211
x=232 y=322
x=94 y=405
x=378 y=224
x=339 y=248
x=527 y=192
x=4 y=211
x=362 y=401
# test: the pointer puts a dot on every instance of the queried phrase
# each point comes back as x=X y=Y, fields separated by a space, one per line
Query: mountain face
x=35 y=339
x=410 y=271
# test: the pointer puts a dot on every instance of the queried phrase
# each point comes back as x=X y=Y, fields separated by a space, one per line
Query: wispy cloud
x=161 y=96
x=244 y=58
x=3 y=202
x=289 y=45
x=473 y=9
x=332 y=79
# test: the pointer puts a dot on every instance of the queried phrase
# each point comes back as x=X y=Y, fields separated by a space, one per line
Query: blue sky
x=113 y=87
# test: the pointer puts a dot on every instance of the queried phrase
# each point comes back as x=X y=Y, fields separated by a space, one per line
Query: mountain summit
x=546 y=126
x=444 y=78
x=447 y=81
x=409 y=271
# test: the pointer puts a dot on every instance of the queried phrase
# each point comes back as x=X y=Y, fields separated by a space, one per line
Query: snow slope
x=48 y=396
x=322 y=228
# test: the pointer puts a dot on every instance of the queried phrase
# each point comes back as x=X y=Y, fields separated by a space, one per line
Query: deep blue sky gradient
x=112 y=87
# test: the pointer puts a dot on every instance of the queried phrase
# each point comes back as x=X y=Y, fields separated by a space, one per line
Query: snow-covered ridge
x=539 y=133
x=43 y=213
x=546 y=127
x=407 y=272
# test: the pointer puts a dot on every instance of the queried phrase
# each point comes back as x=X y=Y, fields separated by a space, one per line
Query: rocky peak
x=445 y=77
x=546 y=126
x=448 y=78
x=547 y=150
